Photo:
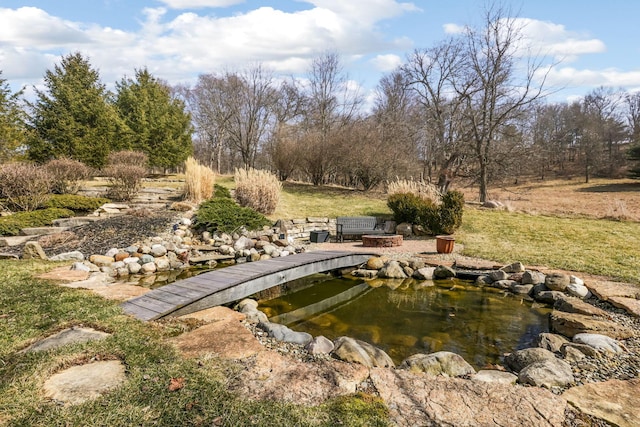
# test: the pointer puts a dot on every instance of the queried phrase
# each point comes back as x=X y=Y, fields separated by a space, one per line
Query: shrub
x=257 y=189
x=446 y=218
x=409 y=207
x=66 y=175
x=11 y=225
x=75 y=202
x=199 y=181
x=220 y=192
x=125 y=170
x=23 y=186
x=225 y=215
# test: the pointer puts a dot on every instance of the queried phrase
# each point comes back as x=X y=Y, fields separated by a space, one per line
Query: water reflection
x=407 y=317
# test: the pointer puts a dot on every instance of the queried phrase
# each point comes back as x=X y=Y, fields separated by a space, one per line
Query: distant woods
x=470 y=108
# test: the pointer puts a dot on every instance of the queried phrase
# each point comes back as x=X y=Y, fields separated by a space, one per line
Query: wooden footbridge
x=233 y=283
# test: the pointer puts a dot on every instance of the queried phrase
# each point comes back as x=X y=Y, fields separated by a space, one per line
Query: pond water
x=408 y=317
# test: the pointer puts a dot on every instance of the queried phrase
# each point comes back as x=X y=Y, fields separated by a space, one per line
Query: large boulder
x=33 y=250
x=392 y=270
x=356 y=351
x=547 y=373
x=571 y=324
x=551 y=342
x=599 y=342
x=576 y=305
x=520 y=359
x=614 y=401
x=557 y=281
x=439 y=363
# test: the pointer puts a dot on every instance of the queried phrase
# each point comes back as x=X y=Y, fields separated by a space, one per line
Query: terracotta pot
x=444 y=244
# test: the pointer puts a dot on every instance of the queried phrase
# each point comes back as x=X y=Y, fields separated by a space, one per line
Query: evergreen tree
x=74 y=117
x=12 y=130
x=160 y=126
x=634 y=156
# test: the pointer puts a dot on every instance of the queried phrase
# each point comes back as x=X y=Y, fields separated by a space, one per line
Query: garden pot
x=444 y=244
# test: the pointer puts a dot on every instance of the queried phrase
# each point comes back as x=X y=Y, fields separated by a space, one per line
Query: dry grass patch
x=198 y=182
x=257 y=189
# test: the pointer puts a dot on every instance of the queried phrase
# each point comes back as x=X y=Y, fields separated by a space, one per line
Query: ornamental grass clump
x=421 y=189
x=199 y=181
x=257 y=189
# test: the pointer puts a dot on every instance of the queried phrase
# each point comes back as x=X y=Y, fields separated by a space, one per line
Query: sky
x=592 y=43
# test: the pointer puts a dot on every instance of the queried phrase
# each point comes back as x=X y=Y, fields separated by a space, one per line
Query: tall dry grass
x=422 y=189
x=199 y=181
x=257 y=189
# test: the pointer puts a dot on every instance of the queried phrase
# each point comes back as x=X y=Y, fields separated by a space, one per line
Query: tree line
x=471 y=107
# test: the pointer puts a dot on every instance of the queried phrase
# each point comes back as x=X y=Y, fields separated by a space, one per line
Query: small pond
x=408 y=317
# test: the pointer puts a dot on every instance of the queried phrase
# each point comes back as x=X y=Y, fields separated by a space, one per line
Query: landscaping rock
x=33 y=250
x=74 y=335
x=439 y=363
x=425 y=273
x=68 y=256
x=101 y=260
x=533 y=277
x=574 y=352
x=225 y=338
x=148 y=268
x=614 y=401
x=605 y=289
x=320 y=345
x=504 y=284
x=547 y=373
x=495 y=376
x=443 y=272
x=376 y=262
x=285 y=334
x=577 y=290
x=630 y=305
x=516 y=267
x=576 y=305
x=551 y=342
x=571 y=324
x=79 y=384
x=356 y=351
x=520 y=359
x=497 y=275
x=519 y=289
x=547 y=297
x=392 y=270
x=421 y=400
x=599 y=342
x=557 y=281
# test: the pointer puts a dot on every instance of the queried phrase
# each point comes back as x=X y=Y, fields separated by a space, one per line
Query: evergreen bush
x=444 y=218
x=75 y=202
x=409 y=207
x=220 y=191
x=225 y=215
x=12 y=224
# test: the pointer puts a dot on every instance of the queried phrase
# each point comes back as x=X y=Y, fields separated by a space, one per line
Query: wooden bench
x=356 y=226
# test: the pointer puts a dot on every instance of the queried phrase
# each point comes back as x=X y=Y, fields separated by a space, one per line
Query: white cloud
x=386 y=63
x=453 y=28
x=555 y=40
x=32 y=28
x=610 y=77
x=198 y=4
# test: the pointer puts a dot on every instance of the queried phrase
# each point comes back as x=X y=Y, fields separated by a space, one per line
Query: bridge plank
x=223 y=286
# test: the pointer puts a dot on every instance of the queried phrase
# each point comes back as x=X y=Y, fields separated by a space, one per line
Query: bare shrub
x=125 y=170
x=67 y=174
x=257 y=189
x=199 y=181
x=618 y=211
x=422 y=189
x=23 y=186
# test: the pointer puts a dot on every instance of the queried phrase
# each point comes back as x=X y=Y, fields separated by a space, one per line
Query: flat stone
x=494 y=376
x=570 y=324
x=15 y=240
x=420 y=400
x=216 y=314
x=630 y=305
x=8 y=256
x=101 y=260
x=547 y=373
x=82 y=383
x=75 y=221
x=227 y=339
x=95 y=280
x=475 y=264
x=68 y=256
x=274 y=377
x=614 y=401
x=438 y=363
x=41 y=231
x=605 y=289
x=64 y=274
x=74 y=335
x=120 y=292
x=209 y=257
x=576 y=305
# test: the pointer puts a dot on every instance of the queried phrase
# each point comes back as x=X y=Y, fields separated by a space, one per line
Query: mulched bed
x=98 y=237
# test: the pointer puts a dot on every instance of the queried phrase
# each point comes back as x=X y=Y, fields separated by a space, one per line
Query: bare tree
x=496 y=85
x=431 y=74
x=330 y=104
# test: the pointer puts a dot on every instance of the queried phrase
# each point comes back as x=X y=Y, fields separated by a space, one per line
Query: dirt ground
x=600 y=198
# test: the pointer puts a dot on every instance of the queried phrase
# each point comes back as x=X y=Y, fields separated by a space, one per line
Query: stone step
x=14 y=240
x=41 y=231
x=75 y=221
